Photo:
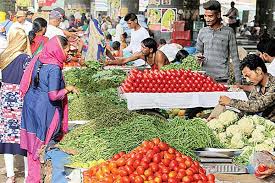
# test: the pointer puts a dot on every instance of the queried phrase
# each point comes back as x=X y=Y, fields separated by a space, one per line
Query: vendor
x=149 y=53
x=262 y=98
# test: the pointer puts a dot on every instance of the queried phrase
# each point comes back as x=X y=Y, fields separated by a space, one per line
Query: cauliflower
x=215 y=124
x=222 y=137
x=269 y=141
x=237 y=141
x=263 y=147
x=233 y=129
x=246 y=125
x=257 y=119
x=228 y=117
x=257 y=136
x=260 y=128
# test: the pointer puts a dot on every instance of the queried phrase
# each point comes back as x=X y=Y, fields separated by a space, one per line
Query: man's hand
x=224 y=100
x=267 y=173
x=200 y=58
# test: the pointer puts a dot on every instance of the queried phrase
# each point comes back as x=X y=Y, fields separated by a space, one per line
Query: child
x=117 y=51
x=109 y=42
x=123 y=40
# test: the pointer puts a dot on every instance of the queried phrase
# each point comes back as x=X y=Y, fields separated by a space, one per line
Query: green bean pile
x=93 y=143
x=188 y=135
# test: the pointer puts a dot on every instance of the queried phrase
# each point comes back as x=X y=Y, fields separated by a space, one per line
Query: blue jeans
x=58 y=159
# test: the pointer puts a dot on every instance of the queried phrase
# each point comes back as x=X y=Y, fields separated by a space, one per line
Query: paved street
x=19 y=169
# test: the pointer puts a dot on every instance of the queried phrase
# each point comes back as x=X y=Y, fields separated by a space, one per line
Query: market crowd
x=34 y=51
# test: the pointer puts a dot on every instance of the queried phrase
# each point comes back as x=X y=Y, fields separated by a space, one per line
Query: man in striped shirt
x=216 y=43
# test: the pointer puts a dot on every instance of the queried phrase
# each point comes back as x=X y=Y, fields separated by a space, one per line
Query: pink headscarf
x=52 y=53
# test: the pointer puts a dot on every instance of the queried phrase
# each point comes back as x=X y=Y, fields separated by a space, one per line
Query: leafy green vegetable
x=189 y=62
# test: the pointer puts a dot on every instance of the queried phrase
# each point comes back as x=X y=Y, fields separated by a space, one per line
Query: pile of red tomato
x=152 y=162
x=170 y=81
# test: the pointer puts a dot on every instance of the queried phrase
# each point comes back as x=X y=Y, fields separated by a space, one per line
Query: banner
x=24 y=3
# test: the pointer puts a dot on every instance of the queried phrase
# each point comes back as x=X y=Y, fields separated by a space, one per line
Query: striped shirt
x=216 y=46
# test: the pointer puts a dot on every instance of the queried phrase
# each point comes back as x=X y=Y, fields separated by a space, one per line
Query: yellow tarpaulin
x=24 y=3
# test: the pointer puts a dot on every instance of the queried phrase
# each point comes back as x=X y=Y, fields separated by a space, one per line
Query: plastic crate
x=182 y=42
x=185 y=35
x=179 y=25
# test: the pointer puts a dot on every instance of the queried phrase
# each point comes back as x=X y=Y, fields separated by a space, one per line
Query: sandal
x=10 y=180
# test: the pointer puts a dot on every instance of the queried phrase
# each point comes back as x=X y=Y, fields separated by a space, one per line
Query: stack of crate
x=180 y=35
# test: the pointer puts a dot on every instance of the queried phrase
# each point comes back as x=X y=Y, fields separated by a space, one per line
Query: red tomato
x=129 y=169
x=154 y=167
x=145 y=165
x=203 y=178
x=136 y=163
x=173 y=164
x=148 y=172
x=188 y=163
x=126 y=179
x=157 y=180
x=166 y=162
x=181 y=174
x=165 y=170
x=139 y=179
x=121 y=162
x=123 y=172
x=182 y=166
x=262 y=168
x=186 y=179
x=130 y=162
x=164 y=177
x=202 y=170
x=189 y=172
x=116 y=156
x=210 y=177
x=197 y=177
x=156 y=158
x=140 y=170
x=163 y=146
x=171 y=150
x=172 y=180
x=172 y=174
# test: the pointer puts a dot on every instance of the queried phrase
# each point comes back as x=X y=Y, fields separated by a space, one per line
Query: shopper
x=233 y=14
x=149 y=53
x=261 y=100
x=138 y=33
x=215 y=43
x=267 y=53
x=45 y=108
x=29 y=16
x=21 y=23
x=55 y=18
x=13 y=61
x=36 y=35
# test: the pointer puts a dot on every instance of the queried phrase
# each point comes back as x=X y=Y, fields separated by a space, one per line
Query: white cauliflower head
x=257 y=136
x=228 y=117
x=215 y=124
x=260 y=128
x=222 y=136
x=246 y=125
x=237 y=141
x=233 y=129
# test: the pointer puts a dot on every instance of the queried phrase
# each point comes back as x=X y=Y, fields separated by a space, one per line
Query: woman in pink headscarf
x=45 y=109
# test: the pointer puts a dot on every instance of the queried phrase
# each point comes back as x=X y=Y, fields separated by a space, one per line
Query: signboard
x=101 y=5
x=154 y=15
x=168 y=17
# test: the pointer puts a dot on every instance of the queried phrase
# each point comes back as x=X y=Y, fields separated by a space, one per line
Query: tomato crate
x=185 y=35
x=179 y=25
x=182 y=42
